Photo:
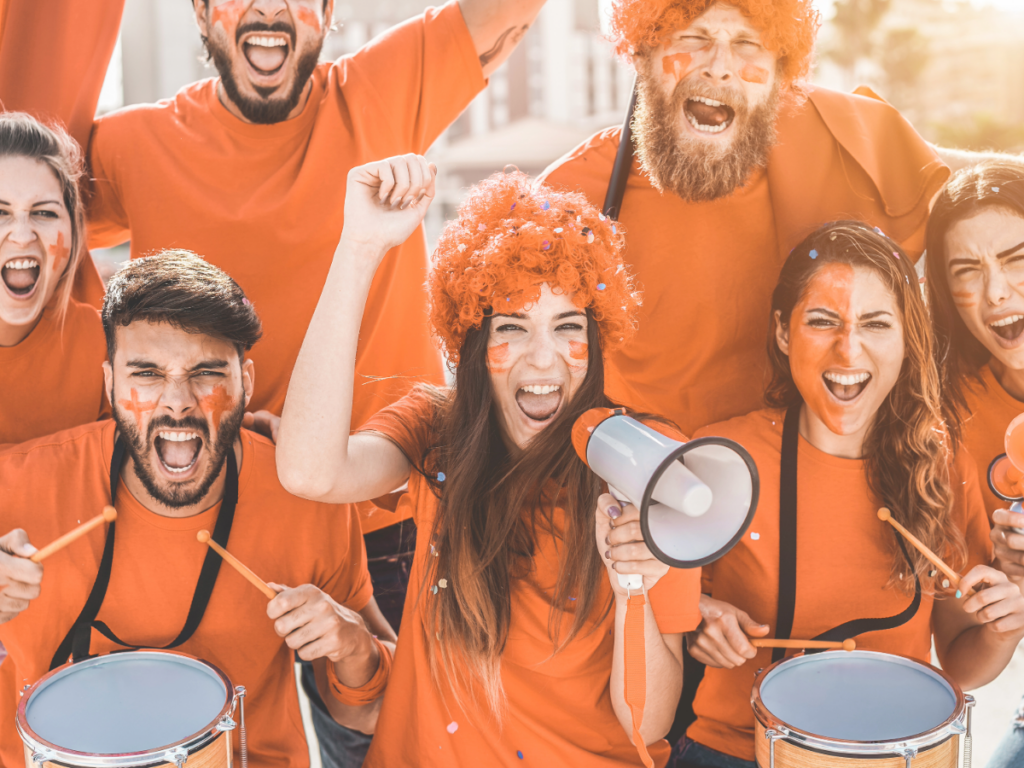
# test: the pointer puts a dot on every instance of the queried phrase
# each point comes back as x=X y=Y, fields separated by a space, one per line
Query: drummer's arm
x=976 y=635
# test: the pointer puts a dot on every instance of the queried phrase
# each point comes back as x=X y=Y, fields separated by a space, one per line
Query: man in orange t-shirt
x=176 y=463
x=736 y=161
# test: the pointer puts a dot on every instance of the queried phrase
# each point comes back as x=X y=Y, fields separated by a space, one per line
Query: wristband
x=368 y=692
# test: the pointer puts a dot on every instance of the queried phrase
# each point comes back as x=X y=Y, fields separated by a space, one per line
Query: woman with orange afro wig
x=511 y=643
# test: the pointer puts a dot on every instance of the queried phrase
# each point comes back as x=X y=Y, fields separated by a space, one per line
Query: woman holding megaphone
x=975 y=281
x=855 y=424
x=511 y=647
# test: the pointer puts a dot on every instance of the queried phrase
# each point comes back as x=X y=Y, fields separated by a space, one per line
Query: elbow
x=302 y=481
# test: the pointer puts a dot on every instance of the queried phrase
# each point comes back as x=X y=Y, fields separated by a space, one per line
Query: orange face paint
x=754 y=74
x=136 y=406
x=215 y=404
x=578 y=350
x=58 y=252
x=497 y=357
x=965 y=299
x=307 y=17
x=678 y=64
x=228 y=13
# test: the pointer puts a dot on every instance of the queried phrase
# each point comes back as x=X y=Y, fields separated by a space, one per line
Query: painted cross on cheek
x=307 y=17
x=678 y=64
x=136 y=406
x=579 y=350
x=215 y=404
x=754 y=74
x=58 y=252
x=229 y=13
x=497 y=358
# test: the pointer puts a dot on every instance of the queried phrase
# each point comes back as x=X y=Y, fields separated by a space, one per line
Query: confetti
x=546 y=245
x=519 y=754
x=879 y=231
x=558 y=230
x=452 y=727
x=246 y=302
x=481 y=228
x=441 y=477
x=814 y=254
x=832 y=237
x=601 y=286
x=895 y=254
x=572 y=598
x=996 y=190
x=614 y=231
x=443 y=583
x=546 y=206
x=590 y=237
x=945 y=583
x=932 y=573
x=601 y=216
x=755 y=536
x=462 y=247
x=434 y=588
x=513 y=207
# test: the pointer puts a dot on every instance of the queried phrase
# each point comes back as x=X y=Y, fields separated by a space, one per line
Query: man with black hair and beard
x=176 y=462
x=736 y=160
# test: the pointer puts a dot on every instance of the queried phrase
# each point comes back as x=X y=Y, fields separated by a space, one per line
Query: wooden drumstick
x=256 y=581
x=109 y=514
x=772 y=642
x=953 y=576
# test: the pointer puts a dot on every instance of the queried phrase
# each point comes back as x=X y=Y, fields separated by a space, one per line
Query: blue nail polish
x=959 y=594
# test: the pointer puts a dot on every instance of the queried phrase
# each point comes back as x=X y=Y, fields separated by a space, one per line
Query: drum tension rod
x=909 y=753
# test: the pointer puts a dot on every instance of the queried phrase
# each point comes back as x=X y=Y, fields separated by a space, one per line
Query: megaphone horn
x=696 y=497
x=1006 y=472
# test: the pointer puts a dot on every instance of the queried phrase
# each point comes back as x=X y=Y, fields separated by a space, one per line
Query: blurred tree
x=855 y=22
x=982 y=132
x=904 y=56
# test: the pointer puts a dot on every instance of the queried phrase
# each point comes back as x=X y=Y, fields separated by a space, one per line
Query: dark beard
x=699 y=171
x=230 y=424
x=264 y=111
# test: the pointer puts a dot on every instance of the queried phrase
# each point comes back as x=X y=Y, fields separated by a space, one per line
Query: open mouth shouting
x=266 y=53
x=1008 y=330
x=846 y=387
x=21 y=276
x=178 y=452
x=708 y=116
x=539 y=402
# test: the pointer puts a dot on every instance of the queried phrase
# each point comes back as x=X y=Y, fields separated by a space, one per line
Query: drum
x=130 y=709
x=858 y=709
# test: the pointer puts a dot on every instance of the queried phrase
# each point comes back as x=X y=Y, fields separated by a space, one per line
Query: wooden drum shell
x=789 y=755
x=216 y=754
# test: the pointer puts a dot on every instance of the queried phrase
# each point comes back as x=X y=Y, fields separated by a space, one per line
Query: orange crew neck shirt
x=53 y=379
x=559 y=706
x=836 y=512
x=707 y=270
x=990 y=409
x=51 y=484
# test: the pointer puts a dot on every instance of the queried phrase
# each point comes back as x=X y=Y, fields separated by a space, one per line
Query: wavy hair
x=906 y=452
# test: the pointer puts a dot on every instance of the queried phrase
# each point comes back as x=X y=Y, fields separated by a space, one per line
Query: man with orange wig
x=734 y=159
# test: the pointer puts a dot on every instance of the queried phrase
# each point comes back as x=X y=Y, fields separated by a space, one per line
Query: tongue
x=177 y=455
x=1011 y=331
x=843 y=392
x=706 y=115
x=539 y=407
x=265 y=59
x=21 y=279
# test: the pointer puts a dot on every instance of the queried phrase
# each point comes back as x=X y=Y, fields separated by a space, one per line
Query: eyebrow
x=205 y=364
x=41 y=202
x=521 y=316
x=1010 y=251
x=865 y=316
x=1000 y=255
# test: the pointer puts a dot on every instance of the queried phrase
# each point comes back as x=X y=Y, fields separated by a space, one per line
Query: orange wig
x=510 y=238
x=788 y=27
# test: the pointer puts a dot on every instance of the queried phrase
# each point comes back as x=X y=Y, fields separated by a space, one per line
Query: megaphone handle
x=630 y=581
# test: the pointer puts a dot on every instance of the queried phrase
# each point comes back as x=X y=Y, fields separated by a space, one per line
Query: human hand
x=20 y=578
x=999 y=606
x=621 y=543
x=316 y=626
x=262 y=422
x=1008 y=543
x=721 y=640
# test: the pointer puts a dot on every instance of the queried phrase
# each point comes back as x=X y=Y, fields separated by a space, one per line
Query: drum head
x=858 y=696
x=129 y=702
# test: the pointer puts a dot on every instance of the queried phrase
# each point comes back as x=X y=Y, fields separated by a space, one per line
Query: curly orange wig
x=788 y=27
x=510 y=238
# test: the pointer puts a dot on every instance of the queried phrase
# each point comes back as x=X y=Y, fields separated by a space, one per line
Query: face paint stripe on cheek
x=307 y=17
x=215 y=404
x=579 y=350
x=228 y=12
x=754 y=74
x=497 y=357
x=965 y=299
x=678 y=65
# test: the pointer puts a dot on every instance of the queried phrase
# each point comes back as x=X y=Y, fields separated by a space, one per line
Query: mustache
x=685 y=90
x=256 y=26
x=191 y=423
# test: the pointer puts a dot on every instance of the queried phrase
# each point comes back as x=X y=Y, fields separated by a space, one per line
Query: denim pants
x=1010 y=752
x=689 y=754
x=389 y=554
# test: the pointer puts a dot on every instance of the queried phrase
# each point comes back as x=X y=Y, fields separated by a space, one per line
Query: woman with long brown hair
x=511 y=644
x=854 y=423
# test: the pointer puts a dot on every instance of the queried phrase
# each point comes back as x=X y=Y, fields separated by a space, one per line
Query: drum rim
x=121 y=760
x=814 y=741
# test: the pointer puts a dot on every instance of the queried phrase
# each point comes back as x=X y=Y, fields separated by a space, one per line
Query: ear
x=781 y=334
x=200 y=8
x=248 y=378
x=328 y=14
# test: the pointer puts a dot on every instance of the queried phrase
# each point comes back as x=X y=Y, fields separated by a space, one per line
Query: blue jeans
x=689 y=754
x=1010 y=752
x=389 y=554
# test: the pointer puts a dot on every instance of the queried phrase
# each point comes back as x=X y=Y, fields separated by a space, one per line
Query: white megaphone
x=1006 y=472
x=696 y=498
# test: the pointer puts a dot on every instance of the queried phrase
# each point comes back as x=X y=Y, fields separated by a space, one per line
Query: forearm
x=312 y=446
x=497 y=26
x=664 y=676
x=977 y=656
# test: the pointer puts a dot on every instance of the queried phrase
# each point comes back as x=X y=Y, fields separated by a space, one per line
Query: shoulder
x=590 y=161
x=757 y=427
x=84 y=319
x=61 y=451
x=127 y=121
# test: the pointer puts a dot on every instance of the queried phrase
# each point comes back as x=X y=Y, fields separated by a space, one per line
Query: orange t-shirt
x=156 y=565
x=265 y=202
x=990 y=410
x=836 y=512
x=559 y=707
x=53 y=379
x=707 y=270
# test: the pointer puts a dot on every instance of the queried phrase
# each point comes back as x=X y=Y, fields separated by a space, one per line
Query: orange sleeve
x=969 y=510
x=417 y=76
x=675 y=600
x=407 y=423
x=108 y=222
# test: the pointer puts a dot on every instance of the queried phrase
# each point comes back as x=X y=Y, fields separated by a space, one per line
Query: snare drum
x=858 y=708
x=130 y=709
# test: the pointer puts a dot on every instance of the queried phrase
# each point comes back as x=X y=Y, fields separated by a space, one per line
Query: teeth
x=177 y=470
x=541 y=389
x=706 y=128
x=849 y=380
x=709 y=102
x=22 y=264
x=1006 y=321
x=266 y=42
x=177 y=437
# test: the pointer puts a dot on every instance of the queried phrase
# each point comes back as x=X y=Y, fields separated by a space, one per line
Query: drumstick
x=109 y=514
x=772 y=642
x=953 y=576
x=256 y=581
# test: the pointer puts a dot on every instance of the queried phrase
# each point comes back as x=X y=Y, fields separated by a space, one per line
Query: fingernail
x=606 y=541
x=614 y=512
x=959 y=594
x=608 y=554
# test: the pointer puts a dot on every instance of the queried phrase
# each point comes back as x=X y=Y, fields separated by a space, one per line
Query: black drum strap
x=623 y=163
x=787 y=553
x=78 y=639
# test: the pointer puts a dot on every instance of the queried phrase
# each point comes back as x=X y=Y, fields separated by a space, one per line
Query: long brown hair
x=905 y=452
x=960 y=356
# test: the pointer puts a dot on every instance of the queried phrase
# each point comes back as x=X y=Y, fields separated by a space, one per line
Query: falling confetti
x=755 y=536
x=546 y=245
x=452 y=727
x=440 y=475
x=814 y=254
x=513 y=207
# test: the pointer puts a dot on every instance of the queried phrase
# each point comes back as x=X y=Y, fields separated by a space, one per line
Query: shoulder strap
x=787 y=528
x=623 y=162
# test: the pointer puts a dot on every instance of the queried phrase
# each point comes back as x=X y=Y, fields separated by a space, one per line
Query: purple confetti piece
x=546 y=245
x=513 y=207
x=546 y=206
x=814 y=254
x=601 y=286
